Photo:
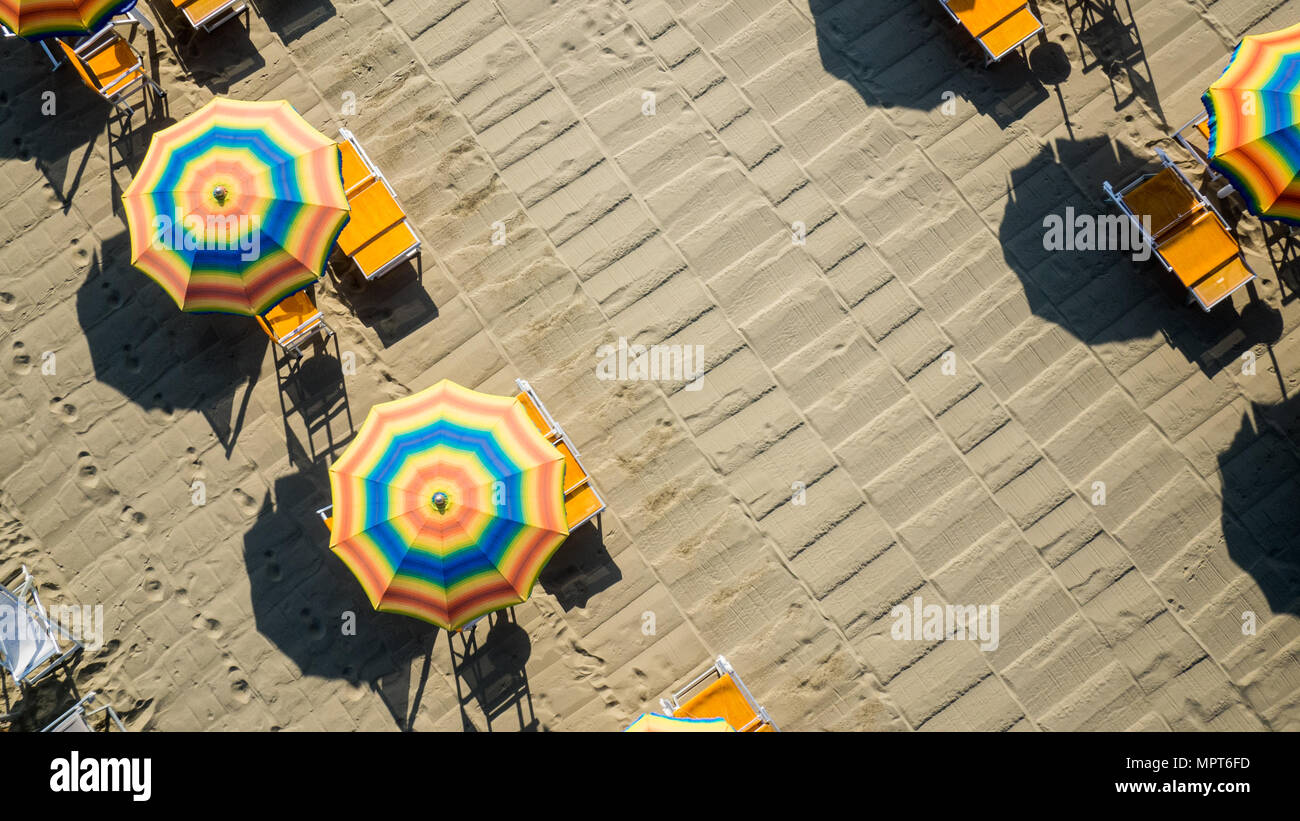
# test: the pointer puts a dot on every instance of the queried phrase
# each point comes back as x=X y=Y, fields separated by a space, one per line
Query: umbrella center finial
x=219 y=193
x=440 y=501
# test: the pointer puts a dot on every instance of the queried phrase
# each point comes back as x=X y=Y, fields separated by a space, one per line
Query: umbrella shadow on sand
x=1110 y=295
x=49 y=117
x=1261 y=501
x=161 y=358
x=904 y=54
x=1104 y=296
x=308 y=604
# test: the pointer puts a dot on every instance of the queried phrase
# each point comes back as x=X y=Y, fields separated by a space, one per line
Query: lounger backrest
x=722 y=699
x=83 y=70
x=74 y=722
x=29 y=641
x=287 y=316
x=1165 y=198
x=356 y=172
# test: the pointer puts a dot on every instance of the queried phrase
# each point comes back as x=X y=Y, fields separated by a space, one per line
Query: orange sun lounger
x=208 y=14
x=378 y=237
x=1000 y=26
x=581 y=501
x=1187 y=234
x=110 y=67
x=726 y=696
x=292 y=321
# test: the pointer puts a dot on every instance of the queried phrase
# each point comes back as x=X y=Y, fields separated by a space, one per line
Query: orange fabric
x=199 y=10
x=573 y=472
x=533 y=413
x=982 y=15
x=1198 y=248
x=721 y=699
x=385 y=248
x=288 y=316
x=109 y=70
x=1218 y=285
x=1165 y=198
x=1010 y=32
x=355 y=171
x=581 y=504
x=373 y=211
x=1203 y=126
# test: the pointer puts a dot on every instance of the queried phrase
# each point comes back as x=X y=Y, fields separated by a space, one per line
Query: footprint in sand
x=273 y=569
x=113 y=299
x=130 y=360
x=239 y=686
x=211 y=627
x=134 y=520
x=87 y=472
x=6 y=302
x=66 y=412
x=246 y=504
x=22 y=362
x=153 y=586
x=315 y=627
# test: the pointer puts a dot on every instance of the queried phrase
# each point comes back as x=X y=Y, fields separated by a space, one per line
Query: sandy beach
x=902 y=393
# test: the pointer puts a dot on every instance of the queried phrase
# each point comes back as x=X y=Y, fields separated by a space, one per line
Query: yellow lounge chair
x=110 y=67
x=378 y=236
x=581 y=501
x=1187 y=234
x=1000 y=26
x=294 y=320
x=725 y=697
x=208 y=14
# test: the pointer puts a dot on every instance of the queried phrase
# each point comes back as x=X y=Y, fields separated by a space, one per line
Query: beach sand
x=916 y=401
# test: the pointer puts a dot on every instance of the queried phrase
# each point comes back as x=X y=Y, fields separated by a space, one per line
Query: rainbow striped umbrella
x=236 y=207
x=1255 y=123
x=38 y=19
x=447 y=504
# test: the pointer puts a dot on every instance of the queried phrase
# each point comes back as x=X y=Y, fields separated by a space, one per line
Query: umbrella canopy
x=37 y=19
x=236 y=207
x=448 y=504
x=655 y=723
x=1254 y=110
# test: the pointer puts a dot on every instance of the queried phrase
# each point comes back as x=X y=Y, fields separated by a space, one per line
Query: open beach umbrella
x=236 y=207
x=656 y=723
x=1254 y=110
x=448 y=504
x=38 y=19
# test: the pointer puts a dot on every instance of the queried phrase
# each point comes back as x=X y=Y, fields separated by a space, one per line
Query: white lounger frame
x=1180 y=136
x=411 y=251
x=557 y=434
x=293 y=341
x=27 y=596
x=989 y=56
x=102 y=39
x=80 y=707
x=1117 y=197
x=220 y=15
x=717 y=670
